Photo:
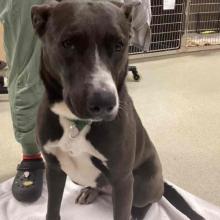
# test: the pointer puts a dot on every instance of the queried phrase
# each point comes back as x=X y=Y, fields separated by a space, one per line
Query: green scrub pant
x=23 y=58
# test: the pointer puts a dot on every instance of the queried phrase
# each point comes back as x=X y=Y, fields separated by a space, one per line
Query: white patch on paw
x=87 y=196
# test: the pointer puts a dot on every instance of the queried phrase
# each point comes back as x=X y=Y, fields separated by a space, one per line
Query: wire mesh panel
x=203 y=23
x=199 y=20
x=167 y=27
x=134 y=50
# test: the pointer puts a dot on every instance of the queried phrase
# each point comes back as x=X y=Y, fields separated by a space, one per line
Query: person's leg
x=25 y=91
x=24 y=96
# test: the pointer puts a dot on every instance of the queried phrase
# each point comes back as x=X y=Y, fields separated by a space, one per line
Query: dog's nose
x=101 y=104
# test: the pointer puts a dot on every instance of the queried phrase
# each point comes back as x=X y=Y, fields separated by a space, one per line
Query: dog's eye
x=68 y=44
x=119 y=46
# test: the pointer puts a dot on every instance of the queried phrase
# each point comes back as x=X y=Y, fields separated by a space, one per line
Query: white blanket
x=101 y=209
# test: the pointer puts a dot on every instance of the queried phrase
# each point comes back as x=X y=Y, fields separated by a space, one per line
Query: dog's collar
x=80 y=124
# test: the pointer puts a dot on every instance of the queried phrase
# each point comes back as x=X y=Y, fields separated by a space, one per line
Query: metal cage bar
x=192 y=25
x=203 y=28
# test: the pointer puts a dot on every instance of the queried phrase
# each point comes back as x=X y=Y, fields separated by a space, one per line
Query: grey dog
x=87 y=125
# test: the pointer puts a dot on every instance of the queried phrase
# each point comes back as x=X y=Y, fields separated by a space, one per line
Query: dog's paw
x=87 y=196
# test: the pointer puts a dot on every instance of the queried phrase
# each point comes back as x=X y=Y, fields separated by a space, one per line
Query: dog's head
x=85 y=53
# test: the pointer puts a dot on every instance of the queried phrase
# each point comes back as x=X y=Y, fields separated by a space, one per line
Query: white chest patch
x=61 y=109
x=74 y=151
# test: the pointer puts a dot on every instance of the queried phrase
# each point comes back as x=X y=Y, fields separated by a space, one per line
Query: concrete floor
x=178 y=100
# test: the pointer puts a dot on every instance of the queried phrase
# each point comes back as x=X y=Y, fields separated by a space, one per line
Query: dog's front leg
x=56 y=180
x=122 y=196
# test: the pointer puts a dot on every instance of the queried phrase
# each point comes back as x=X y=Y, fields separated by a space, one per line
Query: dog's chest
x=74 y=153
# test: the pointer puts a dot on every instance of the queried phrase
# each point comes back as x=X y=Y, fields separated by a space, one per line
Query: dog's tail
x=180 y=203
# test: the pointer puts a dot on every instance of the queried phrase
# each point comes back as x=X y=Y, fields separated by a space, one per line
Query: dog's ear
x=128 y=11
x=39 y=16
x=127 y=8
x=119 y=4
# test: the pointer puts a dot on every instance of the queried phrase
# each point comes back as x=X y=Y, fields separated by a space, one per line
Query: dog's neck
x=80 y=124
x=63 y=111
